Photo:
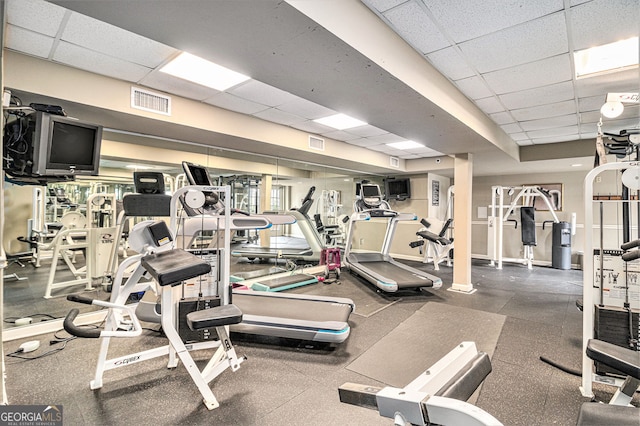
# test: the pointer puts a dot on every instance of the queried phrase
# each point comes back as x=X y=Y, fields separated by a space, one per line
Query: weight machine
x=500 y=214
x=168 y=267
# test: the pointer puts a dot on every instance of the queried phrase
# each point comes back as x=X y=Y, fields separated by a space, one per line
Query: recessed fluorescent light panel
x=405 y=145
x=340 y=121
x=197 y=70
x=606 y=58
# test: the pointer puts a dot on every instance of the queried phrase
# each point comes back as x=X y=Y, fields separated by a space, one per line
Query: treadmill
x=379 y=268
x=311 y=253
x=305 y=317
x=294 y=316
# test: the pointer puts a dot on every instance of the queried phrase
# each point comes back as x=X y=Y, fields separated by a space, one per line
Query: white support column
x=463 y=180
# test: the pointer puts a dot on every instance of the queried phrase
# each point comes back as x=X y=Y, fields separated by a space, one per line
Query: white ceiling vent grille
x=394 y=161
x=150 y=101
x=316 y=143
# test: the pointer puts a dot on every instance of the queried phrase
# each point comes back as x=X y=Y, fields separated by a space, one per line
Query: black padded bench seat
x=432 y=236
x=622 y=359
x=465 y=382
x=595 y=414
x=174 y=266
x=214 y=317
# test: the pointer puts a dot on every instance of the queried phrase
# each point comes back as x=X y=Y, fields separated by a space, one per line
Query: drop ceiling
x=511 y=60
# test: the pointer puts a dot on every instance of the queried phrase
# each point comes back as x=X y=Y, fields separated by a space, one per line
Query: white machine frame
x=499 y=216
x=589 y=291
x=224 y=356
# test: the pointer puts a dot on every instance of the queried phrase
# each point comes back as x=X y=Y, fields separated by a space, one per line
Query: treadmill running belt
x=293 y=308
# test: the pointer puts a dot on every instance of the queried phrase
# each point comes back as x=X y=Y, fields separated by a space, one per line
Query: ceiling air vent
x=316 y=143
x=394 y=161
x=150 y=101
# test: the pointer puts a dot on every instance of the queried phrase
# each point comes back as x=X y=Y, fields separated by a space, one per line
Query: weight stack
x=188 y=305
x=611 y=324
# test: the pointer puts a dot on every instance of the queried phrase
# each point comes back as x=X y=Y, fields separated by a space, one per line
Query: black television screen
x=64 y=146
x=398 y=189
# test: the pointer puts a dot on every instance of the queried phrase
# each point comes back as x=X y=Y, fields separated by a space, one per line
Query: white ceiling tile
x=380 y=148
x=590 y=117
x=36 y=15
x=411 y=156
x=28 y=42
x=382 y=5
x=603 y=21
x=538 y=96
x=468 y=19
x=365 y=142
x=553 y=133
x=577 y=2
x=490 y=105
x=511 y=128
x=544 y=111
x=622 y=81
x=502 y=117
x=167 y=83
x=312 y=127
x=550 y=122
x=276 y=116
x=615 y=126
x=565 y=138
x=528 y=42
x=340 y=135
x=261 y=93
x=584 y=134
x=366 y=131
x=413 y=24
x=305 y=108
x=474 y=87
x=386 y=138
x=98 y=63
x=519 y=136
x=234 y=103
x=527 y=76
x=524 y=142
x=591 y=103
x=113 y=41
x=450 y=63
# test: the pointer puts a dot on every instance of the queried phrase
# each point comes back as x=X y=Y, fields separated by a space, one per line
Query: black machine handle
x=631 y=244
x=631 y=255
x=79 y=299
x=547 y=221
x=74 y=330
x=234 y=211
x=514 y=221
x=425 y=223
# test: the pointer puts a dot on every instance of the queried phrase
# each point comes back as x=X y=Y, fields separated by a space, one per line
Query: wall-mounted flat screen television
x=397 y=188
x=42 y=145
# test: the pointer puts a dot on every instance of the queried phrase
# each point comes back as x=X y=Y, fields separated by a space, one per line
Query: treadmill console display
x=371 y=195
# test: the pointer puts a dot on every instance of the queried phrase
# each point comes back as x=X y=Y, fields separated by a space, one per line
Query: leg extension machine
x=437 y=396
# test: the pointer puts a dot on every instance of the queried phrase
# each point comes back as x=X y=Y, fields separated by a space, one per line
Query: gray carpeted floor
x=516 y=314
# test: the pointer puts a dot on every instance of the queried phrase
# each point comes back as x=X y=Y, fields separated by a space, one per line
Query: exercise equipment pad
x=425 y=337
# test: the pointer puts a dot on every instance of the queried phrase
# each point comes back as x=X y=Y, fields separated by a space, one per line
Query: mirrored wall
x=36 y=217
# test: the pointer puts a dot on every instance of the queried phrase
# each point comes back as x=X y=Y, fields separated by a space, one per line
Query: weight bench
x=618 y=411
x=438 y=247
x=437 y=396
x=169 y=268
